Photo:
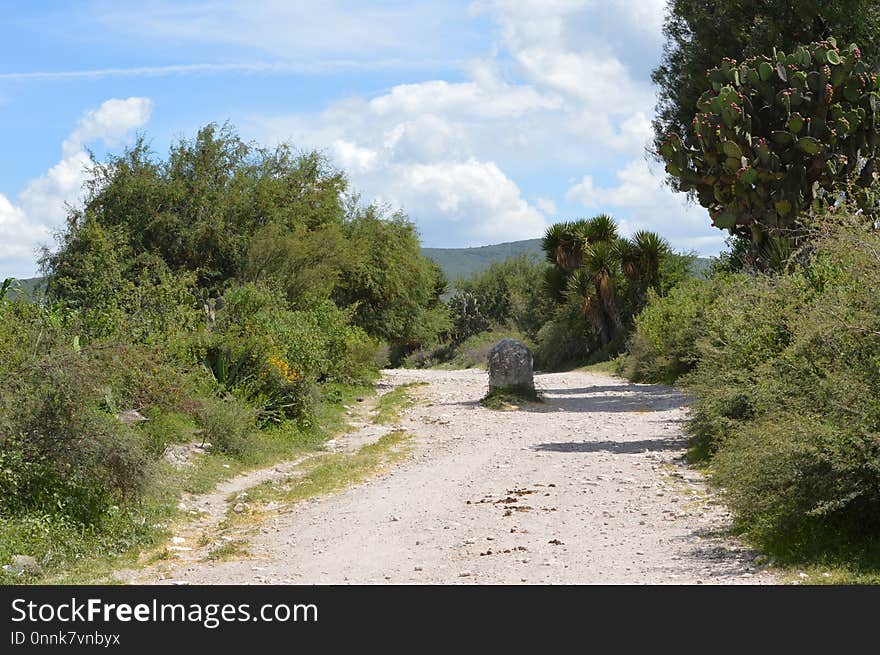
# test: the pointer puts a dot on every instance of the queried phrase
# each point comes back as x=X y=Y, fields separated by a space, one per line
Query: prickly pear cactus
x=776 y=135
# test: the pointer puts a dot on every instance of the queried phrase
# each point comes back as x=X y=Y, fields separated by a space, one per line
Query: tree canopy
x=779 y=134
x=225 y=212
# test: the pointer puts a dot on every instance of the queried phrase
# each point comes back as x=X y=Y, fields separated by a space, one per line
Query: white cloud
x=489 y=98
x=641 y=200
x=43 y=199
x=546 y=205
x=447 y=197
x=560 y=92
x=111 y=123
x=42 y=205
x=20 y=236
x=352 y=157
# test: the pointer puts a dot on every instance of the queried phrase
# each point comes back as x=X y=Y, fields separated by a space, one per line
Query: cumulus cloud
x=564 y=94
x=41 y=206
x=448 y=197
x=641 y=200
x=110 y=123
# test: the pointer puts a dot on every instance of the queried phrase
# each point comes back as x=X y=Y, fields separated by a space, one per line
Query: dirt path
x=584 y=488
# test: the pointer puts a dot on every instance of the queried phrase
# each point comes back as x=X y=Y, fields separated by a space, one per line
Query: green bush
x=228 y=424
x=663 y=345
x=565 y=340
x=162 y=430
x=800 y=483
x=784 y=373
x=786 y=393
x=273 y=356
x=510 y=292
x=737 y=376
x=60 y=451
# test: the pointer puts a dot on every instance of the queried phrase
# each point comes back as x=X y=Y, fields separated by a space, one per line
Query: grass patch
x=390 y=407
x=836 y=561
x=323 y=475
x=510 y=398
x=236 y=548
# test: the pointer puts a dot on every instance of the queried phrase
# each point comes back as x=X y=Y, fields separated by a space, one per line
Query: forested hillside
x=462 y=262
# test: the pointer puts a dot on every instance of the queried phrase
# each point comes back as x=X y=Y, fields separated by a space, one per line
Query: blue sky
x=485 y=121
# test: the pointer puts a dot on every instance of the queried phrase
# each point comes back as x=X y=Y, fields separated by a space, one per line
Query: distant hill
x=461 y=262
x=30 y=286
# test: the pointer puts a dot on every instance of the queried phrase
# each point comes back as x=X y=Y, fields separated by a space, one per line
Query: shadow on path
x=616 y=447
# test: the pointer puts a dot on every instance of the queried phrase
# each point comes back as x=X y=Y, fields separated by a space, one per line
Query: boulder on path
x=510 y=365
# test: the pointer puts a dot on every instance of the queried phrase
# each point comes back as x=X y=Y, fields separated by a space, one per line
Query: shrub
x=59 y=451
x=228 y=424
x=748 y=327
x=787 y=398
x=565 y=340
x=162 y=430
x=799 y=481
x=510 y=292
x=271 y=355
x=663 y=345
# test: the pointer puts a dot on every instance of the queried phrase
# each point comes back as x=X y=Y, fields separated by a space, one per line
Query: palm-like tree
x=641 y=256
x=587 y=256
x=563 y=245
x=555 y=282
x=600 y=228
x=601 y=263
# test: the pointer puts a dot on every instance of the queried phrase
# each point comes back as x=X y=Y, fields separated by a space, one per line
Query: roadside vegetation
x=205 y=313
x=779 y=346
x=575 y=306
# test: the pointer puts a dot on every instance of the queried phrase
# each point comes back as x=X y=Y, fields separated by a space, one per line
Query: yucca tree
x=587 y=256
x=581 y=290
x=640 y=256
x=563 y=245
x=601 y=262
x=555 y=283
x=599 y=228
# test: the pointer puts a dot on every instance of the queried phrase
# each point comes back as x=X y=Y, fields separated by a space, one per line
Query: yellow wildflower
x=284 y=369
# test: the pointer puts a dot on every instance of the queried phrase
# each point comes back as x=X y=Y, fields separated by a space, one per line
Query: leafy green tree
x=305 y=264
x=394 y=290
x=198 y=210
x=227 y=212
x=700 y=34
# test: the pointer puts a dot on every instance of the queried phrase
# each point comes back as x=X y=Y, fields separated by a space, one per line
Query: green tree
x=605 y=264
x=394 y=290
x=199 y=210
x=223 y=212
